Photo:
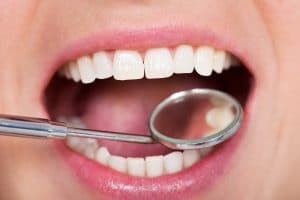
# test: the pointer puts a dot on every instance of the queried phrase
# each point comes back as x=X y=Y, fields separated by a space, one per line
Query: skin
x=266 y=164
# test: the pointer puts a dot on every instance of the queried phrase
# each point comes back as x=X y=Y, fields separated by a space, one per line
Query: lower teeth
x=149 y=166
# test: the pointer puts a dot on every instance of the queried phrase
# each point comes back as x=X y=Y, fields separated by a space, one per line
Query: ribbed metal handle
x=31 y=127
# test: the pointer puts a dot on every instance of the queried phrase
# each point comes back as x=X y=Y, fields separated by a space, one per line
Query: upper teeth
x=156 y=63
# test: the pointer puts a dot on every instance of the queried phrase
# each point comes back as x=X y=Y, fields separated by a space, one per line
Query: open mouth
x=116 y=90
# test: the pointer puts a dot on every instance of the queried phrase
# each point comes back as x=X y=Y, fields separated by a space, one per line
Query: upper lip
x=165 y=36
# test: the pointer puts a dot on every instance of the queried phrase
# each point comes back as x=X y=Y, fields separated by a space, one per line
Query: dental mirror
x=190 y=119
x=195 y=119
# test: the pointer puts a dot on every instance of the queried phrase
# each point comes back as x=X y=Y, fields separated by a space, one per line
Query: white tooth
x=102 y=155
x=73 y=142
x=173 y=162
x=89 y=152
x=205 y=151
x=128 y=65
x=219 y=117
x=118 y=163
x=154 y=166
x=158 y=63
x=77 y=144
x=102 y=65
x=204 y=57
x=86 y=70
x=184 y=59
x=91 y=142
x=227 y=62
x=136 y=166
x=67 y=72
x=219 y=61
x=74 y=71
x=190 y=157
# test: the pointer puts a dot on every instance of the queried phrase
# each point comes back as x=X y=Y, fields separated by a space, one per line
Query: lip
x=185 y=184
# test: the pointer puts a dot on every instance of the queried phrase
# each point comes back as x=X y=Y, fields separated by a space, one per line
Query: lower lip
x=186 y=184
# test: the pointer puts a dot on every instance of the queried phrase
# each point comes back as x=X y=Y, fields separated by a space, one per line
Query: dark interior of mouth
x=125 y=106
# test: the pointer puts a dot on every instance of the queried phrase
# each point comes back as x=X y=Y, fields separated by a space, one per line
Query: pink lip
x=113 y=185
x=183 y=185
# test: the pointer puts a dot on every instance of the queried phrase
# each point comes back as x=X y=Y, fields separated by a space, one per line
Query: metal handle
x=31 y=127
x=43 y=128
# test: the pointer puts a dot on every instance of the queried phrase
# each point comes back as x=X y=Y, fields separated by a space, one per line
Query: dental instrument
x=180 y=102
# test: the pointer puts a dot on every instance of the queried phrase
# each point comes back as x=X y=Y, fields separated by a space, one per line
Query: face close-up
x=104 y=65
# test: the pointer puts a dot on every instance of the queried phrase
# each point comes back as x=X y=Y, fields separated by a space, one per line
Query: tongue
x=126 y=106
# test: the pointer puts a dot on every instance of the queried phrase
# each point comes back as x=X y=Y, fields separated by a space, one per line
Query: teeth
x=227 y=62
x=74 y=71
x=73 y=142
x=173 y=162
x=184 y=59
x=102 y=65
x=86 y=70
x=65 y=72
x=89 y=152
x=220 y=117
x=204 y=59
x=118 y=163
x=154 y=166
x=158 y=63
x=102 y=155
x=219 y=61
x=128 y=65
x=151 y=166
x=190 y=157
x=136 y=166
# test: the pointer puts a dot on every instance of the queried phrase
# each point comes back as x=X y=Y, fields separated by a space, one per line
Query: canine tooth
x=184 y=59
x=73 y=68
x=190 y=157
x=158 y=63
x=154 y=166
x=173 y=162
x=136 y=166
x=128 y=65
x=102 y=155
x=204 y=57
x=219 y=117
x=102 y=65
x=219 y=61
x=86 y=70
x=118 y=163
